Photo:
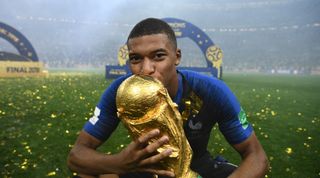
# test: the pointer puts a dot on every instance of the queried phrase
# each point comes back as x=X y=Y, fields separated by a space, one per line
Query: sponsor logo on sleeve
x=243 y=119
x=94 y=119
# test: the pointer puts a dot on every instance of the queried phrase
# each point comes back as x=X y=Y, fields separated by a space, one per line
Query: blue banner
x=19 y=41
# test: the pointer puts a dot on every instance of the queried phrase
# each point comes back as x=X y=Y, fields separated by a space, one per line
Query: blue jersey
x=203 y=101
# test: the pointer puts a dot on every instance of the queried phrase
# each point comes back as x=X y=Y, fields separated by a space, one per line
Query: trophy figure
x=143 y=104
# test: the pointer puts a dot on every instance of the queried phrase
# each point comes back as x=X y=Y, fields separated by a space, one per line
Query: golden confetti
x=271 y=158
x=53 y=173
x=221 y=151
x=289 y=150
x=299 y=129
x=20 y=140
x=25 y=162
x=53 y=116
x=23 y=167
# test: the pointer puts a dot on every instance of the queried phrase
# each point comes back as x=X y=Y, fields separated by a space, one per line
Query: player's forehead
x=149 y=42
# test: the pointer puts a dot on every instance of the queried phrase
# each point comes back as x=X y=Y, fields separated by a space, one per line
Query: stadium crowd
x=287 y=44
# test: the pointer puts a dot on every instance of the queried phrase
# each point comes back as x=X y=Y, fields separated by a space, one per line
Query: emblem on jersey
x=243 y=119
x=192 y=106
x=195 y=126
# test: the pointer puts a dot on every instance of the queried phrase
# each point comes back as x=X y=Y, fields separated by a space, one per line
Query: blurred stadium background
x=41 y=117
x=256 y=36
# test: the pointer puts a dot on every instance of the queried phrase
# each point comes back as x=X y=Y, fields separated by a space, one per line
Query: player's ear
x=178 y=56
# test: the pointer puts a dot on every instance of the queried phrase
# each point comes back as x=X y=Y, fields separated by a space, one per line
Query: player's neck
x=173 y=88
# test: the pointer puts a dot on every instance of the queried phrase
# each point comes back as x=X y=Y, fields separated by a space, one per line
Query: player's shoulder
x=111 y=90
x=117 y=82
x=201 y=81
x=208 y=88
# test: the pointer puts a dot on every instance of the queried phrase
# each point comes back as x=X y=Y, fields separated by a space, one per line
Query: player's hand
x=138 y=156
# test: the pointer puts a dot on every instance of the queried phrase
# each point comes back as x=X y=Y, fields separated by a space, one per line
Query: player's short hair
x=151 y=26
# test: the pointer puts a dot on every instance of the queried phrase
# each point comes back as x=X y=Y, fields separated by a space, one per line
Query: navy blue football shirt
x=203 y=100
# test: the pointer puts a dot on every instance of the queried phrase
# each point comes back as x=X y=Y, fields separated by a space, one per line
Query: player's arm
x=254 y=160
x=137 y=156
x=239 y=133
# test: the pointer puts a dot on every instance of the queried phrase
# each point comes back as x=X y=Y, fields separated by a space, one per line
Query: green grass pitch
x=41 y=117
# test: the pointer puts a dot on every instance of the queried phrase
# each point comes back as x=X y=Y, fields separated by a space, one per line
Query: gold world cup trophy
x=143 y=104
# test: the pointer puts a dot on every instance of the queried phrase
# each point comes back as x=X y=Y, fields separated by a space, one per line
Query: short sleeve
x=232 y=120
x=105 y=120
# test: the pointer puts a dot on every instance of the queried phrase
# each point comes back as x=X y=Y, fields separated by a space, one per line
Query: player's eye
x=134 y=59
x=159 y=56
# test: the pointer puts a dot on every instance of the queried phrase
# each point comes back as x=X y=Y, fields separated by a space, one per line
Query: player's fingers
x=155 y=158
x=143 y=139
x=152 y=147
